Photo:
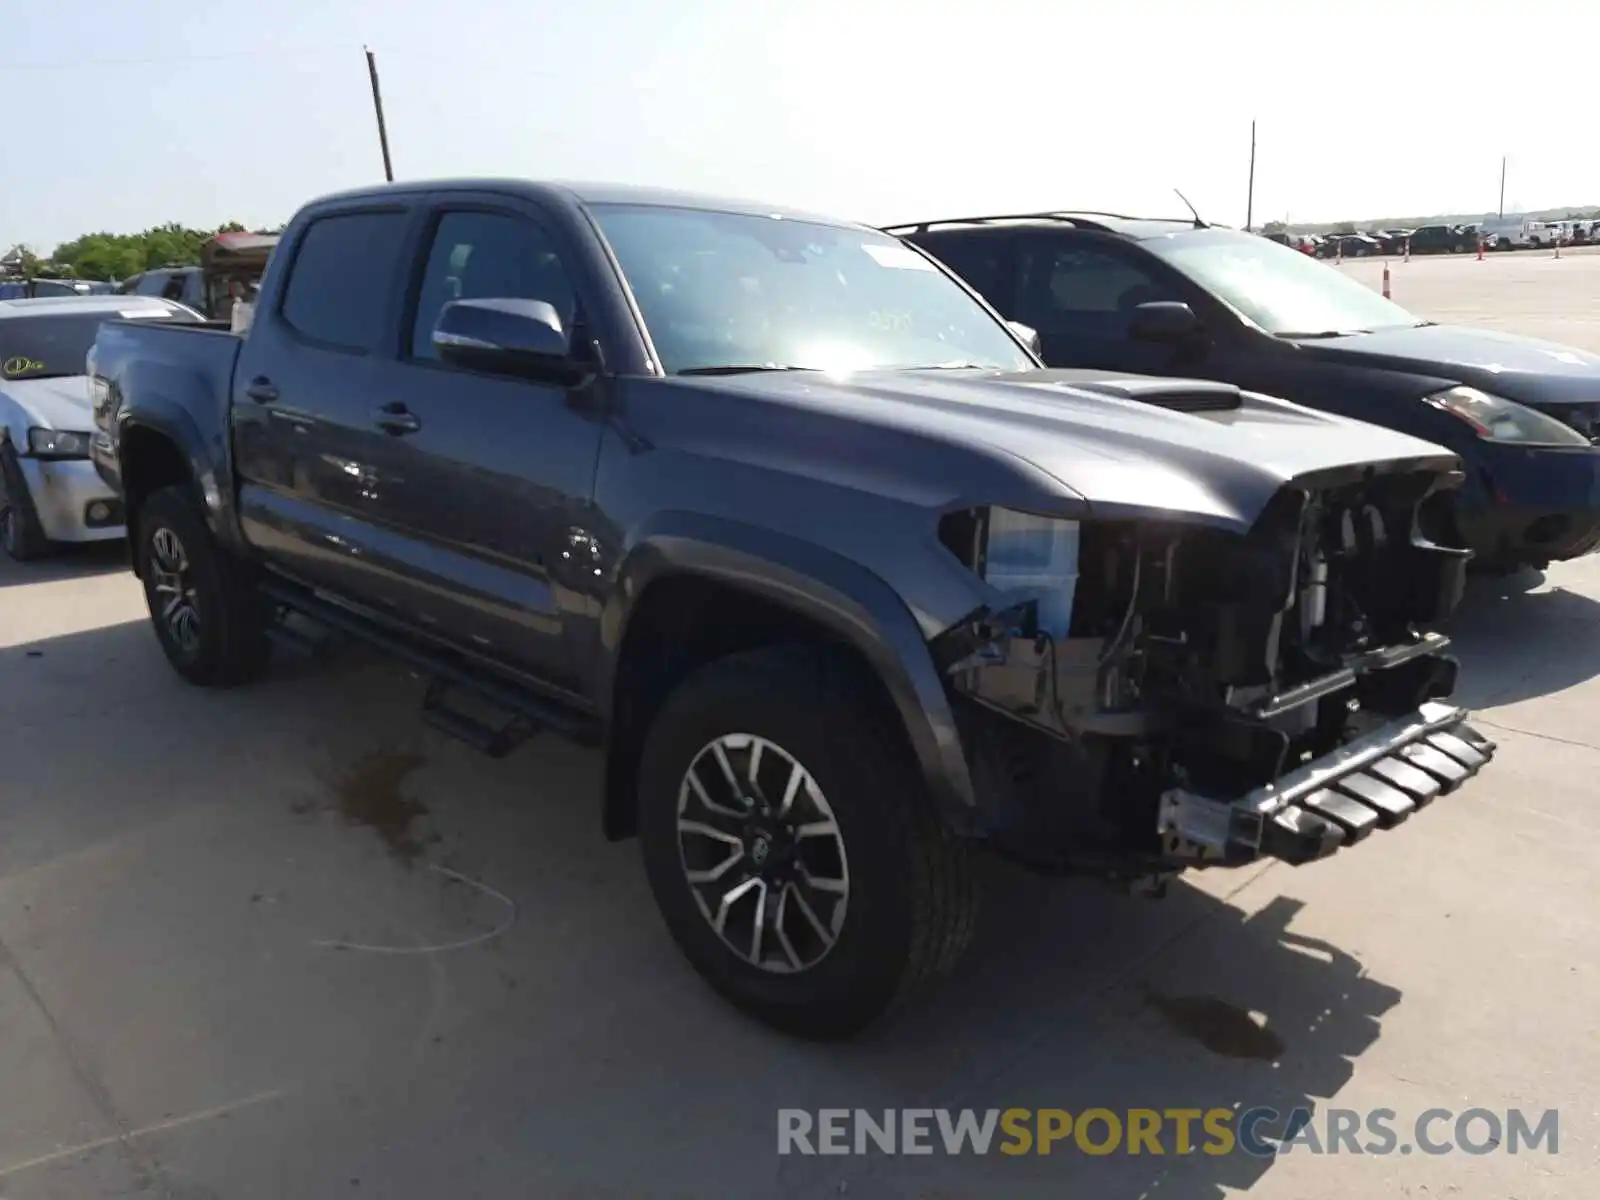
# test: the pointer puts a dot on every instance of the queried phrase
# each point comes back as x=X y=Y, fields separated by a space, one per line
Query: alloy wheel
x=172 y=580
x=762 y=853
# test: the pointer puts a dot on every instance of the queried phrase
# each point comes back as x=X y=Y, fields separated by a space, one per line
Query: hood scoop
x=1179 y=395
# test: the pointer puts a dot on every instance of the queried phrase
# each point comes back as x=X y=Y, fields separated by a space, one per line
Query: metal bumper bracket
x=1374 y=782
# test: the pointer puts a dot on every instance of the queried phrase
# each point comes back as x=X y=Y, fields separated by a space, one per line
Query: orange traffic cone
x=1480 y=247
x=1558 y=245
x=1408 y=251
x=1386 y=295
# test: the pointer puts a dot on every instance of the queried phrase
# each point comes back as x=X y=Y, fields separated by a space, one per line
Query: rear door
x=309 y=378
x=483 y=488
x=1079 y=290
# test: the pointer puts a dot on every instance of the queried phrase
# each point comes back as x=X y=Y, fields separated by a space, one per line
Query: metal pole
x=1502 y=185
x=377 y=105
x=1250 y=201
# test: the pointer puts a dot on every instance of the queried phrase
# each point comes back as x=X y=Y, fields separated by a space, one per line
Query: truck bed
x=178 y=376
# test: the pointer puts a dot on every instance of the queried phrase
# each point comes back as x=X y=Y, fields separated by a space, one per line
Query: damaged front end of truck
x=1154 y=692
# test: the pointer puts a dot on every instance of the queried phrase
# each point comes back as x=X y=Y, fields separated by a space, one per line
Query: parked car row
x=29 y=289
x=1517 y=234
x=1111 y=545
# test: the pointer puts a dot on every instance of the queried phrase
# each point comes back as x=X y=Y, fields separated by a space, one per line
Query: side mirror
x=1028 y=336
x=1163 y=321
x=507 y=336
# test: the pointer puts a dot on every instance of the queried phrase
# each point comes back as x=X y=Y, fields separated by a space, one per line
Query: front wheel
x=792 y=848
x=210 y=622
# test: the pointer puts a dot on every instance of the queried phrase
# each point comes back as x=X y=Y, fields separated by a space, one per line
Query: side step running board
x=496 y=742
x=526 y=711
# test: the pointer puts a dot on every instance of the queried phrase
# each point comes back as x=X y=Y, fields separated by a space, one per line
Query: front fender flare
x=836 y=593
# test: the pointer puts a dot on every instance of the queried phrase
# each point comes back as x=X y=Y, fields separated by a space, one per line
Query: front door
x=483 y=481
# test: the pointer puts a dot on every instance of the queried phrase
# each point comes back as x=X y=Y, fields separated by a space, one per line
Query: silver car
x=49 y=491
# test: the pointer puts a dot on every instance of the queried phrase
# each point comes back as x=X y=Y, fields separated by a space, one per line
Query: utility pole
x=377 y=105
x=1502 y=185
x=1250 y=200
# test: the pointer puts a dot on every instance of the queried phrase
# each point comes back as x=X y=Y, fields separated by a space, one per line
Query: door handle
x=262 y=390
x=396 y=419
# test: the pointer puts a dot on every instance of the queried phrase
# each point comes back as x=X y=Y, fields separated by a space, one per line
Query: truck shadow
x=1078 y=997
x=1523 y=636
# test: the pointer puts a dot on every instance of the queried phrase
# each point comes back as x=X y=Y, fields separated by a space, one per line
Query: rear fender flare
x=177 y=427
x=834 y=592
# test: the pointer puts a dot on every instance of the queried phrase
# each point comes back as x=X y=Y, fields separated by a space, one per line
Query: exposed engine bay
x=1217 y=696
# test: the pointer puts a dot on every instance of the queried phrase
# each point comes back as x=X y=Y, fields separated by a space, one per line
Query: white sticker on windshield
x=901 y=258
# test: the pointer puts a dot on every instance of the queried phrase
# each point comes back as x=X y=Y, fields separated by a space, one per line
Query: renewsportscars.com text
x=1258 y=1131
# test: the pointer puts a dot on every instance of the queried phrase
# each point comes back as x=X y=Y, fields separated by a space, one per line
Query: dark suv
x=1442 y=239
x=1170 y=297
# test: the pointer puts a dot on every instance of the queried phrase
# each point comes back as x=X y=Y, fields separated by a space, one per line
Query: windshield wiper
x=1325 y=333
x=740 y=369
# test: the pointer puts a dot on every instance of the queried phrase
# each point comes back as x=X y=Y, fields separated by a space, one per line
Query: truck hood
x=1125 y=444
x=1527 y=370
x=59 y=403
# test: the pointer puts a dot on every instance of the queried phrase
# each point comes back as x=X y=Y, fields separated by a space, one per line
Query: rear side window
x=343 y=278
x=152 y=283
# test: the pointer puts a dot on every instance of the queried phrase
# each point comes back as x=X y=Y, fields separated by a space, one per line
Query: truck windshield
x=1283 y=292
x=726 y=292
x=48 y=347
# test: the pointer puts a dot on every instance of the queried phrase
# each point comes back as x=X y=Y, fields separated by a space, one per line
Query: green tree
x=118 y=255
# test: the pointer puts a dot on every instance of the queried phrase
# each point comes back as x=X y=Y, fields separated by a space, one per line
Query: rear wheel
x=212 y=624
x=791 y=847
x=21 y=535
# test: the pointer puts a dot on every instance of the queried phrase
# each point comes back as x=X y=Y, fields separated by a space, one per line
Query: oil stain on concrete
x=1220 y=1027
x=370 y=793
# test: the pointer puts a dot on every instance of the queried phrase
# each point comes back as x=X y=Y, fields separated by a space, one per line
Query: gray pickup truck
x=780 y=514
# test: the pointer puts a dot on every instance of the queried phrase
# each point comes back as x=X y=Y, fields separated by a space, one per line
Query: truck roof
x=46 y=306
x=567 y=192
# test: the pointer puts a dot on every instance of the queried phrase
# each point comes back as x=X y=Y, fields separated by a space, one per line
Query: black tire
x=21 y=535
x=227 y=640
x=912 y=899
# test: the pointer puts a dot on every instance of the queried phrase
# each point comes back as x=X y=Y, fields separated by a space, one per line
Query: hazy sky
x=123 y=113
